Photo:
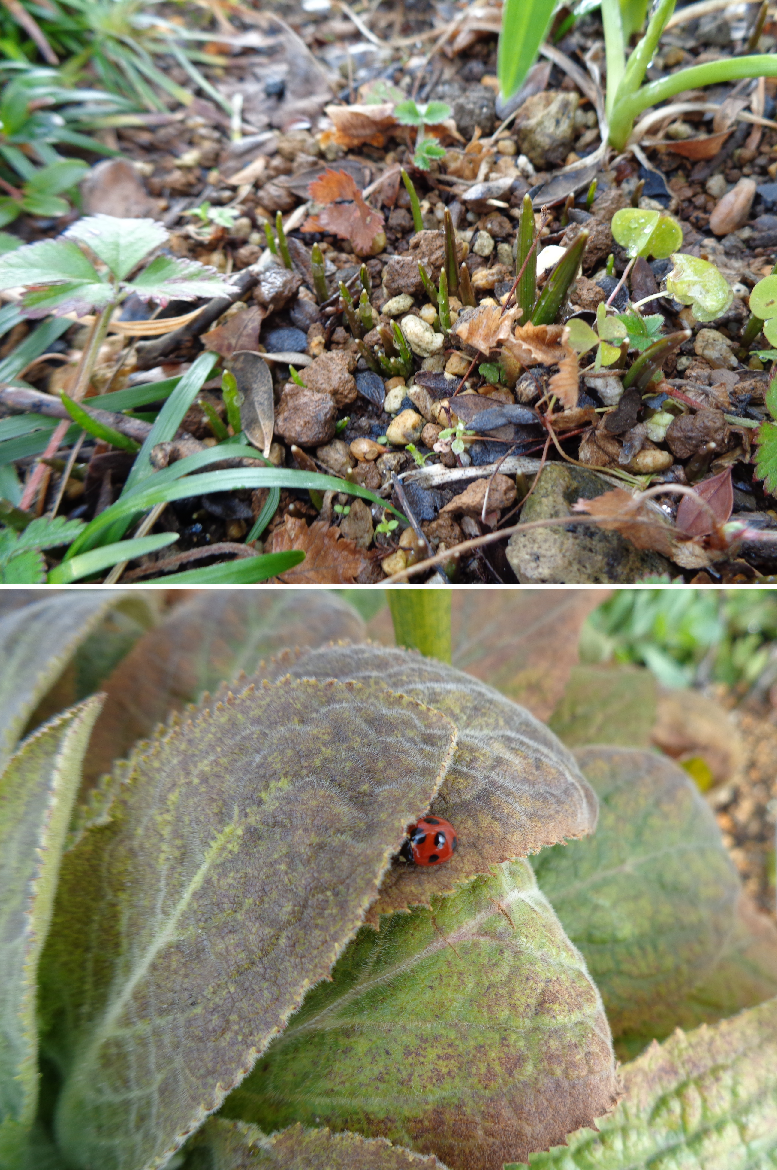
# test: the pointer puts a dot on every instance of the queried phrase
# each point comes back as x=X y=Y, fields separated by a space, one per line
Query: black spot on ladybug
x=435 y=857
x=439 y=840
x=419 y=836
x=430 y=821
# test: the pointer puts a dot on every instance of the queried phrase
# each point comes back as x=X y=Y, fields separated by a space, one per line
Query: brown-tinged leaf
x=565 y=384
x=615 y=705
x=511 y=789
x=333 y=185
x=487 y=327
x=357 y=125
x=535 y=345
x=210 y=639
x=346 y=213
x=523 y=642
x=330 y=559
x=718 y=492
x=690 y=724
x=217 y=894
x=238 y=1145
x=571 y=420
x=241 y=331
x=633 y=517
x=470 y=1030
x=257 y=406
x=696 y=149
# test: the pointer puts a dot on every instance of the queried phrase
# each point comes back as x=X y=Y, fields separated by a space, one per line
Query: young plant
x=766 y=438
x=524 y=23
x=220 y=216
x=695 y=282
x=427 y=148
x=21 y=561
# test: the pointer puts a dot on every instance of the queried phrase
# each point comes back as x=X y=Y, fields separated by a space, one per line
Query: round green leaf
x=650 y=899
x=646 y=232
x=698 y=283
x=470 y=1030
x=770 y=330
x=763 y=298
x=667 y=238
x=581 y=336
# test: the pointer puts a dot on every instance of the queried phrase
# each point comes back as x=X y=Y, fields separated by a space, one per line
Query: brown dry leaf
x=240 y=332
x=487 y=327
x=257 y=406
x=346 y=213
x=718 y=492
x=329 y=558
x=690 y=724
x=357 y=125
x=565 y=384
x=571 y=420
x=726 y=114
x=535 y=345
x=632 y=517
x=696 y=149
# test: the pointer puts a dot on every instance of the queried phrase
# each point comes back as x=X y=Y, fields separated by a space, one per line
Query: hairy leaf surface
x=209 y=639
x=650 y=899
x=236 y=1145
x=470 y=1030
x=605 y=704
x=512 y=787
x=37 y=641
x=245 y=844
x=700 y=1101
x=37 y=790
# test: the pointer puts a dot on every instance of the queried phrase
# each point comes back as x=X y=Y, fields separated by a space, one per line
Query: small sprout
x=418 y=458
x=232 y=398
x=341 y=509
x=271 y=244
x=415 y=206
x=466 y=292
x=410 y=113
x=383 y=440
x=658 y=424
x=610 y=328
x=295 y=376
x=366 y=280
x=387 y=524
x=492 y=371
x=610 y=265
x=426 y=151
x=222 y=216
x=642 y=331
x=283 y=247
x=698 y=283
x=365 y=312
x=646 y=232
x=319 y=274
x=443 y=304
x=589 y=199
x=342 y=424
x=216 y=425
x=452 y=438
x=451 y=262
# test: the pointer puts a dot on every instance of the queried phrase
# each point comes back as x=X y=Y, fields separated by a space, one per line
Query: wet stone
x=424 y=503
x=285 y=341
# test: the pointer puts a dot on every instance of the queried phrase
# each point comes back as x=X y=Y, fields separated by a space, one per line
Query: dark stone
x=371 y=386
x=304 y=314
x=624 y=416
x=285 y=341
x=408 y=404
x=609 y=284
x=767 y=193
x=485 y=452
x=275 y=87
x=655 y=186
x=473 y=106
x=438 y=385
x=760 y=555
x=424 y=503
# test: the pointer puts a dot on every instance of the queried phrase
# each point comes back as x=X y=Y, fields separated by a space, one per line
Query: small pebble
x=732 y=211
x=397 y=305
x=457 y=365
x=421 y=338
x=394 y=382
x=483 y=244
x=506 y=146
x=405 y=428
x=428 y=313
x=370 y=386
x=366 y=450
x=395 y=563
x=285 y=341
x=336 y=457
x=504 y=254
x=394 y=399
x=716 y=186
x=715 y=348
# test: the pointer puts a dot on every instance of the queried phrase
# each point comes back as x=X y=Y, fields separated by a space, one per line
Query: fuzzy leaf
x=650 y=899
x=211 y=638
x=184 y=280
x=234 y=1145
x=448 y=1031
x=607 y=704
x=119 y=243
x=38 y=640
x=766 y=456
x=57 y=300
x=698 y=283
x=37 y=791
x=699 y=1101
x=48 y=262
x=224 y=893
x=511 y=789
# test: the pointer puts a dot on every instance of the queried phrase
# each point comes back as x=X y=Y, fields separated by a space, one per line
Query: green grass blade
x=34 y=444
x=35 y=344
x=97 y=429
x=98 y=559
x=246 y=571
x=524 y=24
x=266 y=514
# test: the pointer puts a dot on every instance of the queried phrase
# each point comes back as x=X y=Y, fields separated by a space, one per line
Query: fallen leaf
x=690 y=724
x=487 y=327
x=240 y=332
x=718 y=492
x=633 y=517
x=329 y=558
x=696 y=149
x=257 y=407
x=570 y=420
x=535 y=345
x=357 y=125
x=346 y=213
x=566 y=383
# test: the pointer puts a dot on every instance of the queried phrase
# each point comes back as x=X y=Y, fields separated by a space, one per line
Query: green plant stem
x=526 y=261
x=615 y=49
x=282 y=244
x=552 y=296
x=422 y=620
x=636 y=67
x=365 y=312
x=628 y=106
x=451 y=267
x=271 y=244
x=319 y=274
x=431 y=291
x=415 y=206
x=443 y=304
x=650 y=361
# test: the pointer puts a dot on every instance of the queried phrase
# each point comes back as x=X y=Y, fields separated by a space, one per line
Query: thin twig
x=241 y=552
x=66 y=474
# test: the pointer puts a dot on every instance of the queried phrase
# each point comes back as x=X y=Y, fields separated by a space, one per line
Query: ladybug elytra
x=430 y=841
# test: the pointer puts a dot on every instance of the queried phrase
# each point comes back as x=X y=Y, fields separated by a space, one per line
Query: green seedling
x=216 y=425
x=415 y=206
x=341 y=424
x=418 y=458
x=386 y=526
x=698 y=283
x=763 y=304
x=270 y=237
x=349 y=313
x=341 y=509
x=232 y=397
x=21 y=562
x=559 y=283
x=492 y=372
x=766 y=438
x=526 y=260
x=646 y=232
x=454 y=437
x=222 y=216
x=283 y=246
x=427 y=148
x=319 y=274
x=294 y=373
x=451 y=262
x=641 y=331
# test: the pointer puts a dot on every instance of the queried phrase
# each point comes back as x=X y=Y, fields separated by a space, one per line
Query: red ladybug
x=429 y=841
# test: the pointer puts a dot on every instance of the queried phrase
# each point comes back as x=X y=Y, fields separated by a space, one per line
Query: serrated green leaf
x=208 y=640
x=47 y=262
x=79 y=297
x=606 y=704
x=512 y=787
x=38 y=640
x=25 y=568
x=49 y=532
x=235 y=1145
x=37 y=790
x=166 y=278
x=650 y=899
x=204 y=953
x=434 y=112
x=766 y=456
x=408 y=114
x=699 y=1101
x=698 y=283
x=441 y=1032
x=121 y=244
